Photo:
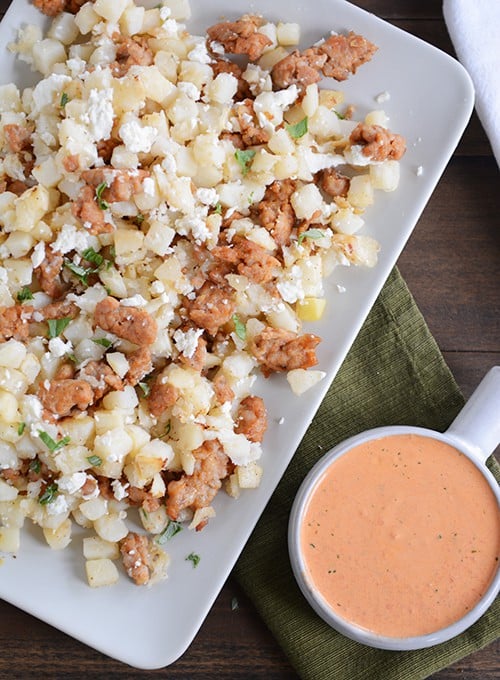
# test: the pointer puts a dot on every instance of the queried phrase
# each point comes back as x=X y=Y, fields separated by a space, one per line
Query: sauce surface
x=401 y=535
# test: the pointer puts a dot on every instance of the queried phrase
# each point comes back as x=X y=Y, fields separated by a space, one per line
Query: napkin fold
x=473 y=28
x=394 y=374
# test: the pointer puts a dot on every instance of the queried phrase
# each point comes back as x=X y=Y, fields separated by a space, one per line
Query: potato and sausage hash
x=168 y=214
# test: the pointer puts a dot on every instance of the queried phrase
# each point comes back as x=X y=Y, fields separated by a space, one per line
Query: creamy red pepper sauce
x=401 y=535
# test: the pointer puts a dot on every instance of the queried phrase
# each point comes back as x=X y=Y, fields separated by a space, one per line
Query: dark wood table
x=452 y=266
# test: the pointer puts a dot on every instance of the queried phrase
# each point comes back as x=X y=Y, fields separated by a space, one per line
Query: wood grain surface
x=452 y=267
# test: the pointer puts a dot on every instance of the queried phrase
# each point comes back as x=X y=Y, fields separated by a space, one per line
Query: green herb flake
x=71 y=357
x=56 y=326
x=81 y=273
x=168 y=532
x=64 y=100
x=313 y=234
x=20 y=428
x=239 y=327
x=95 y=461
x=24 y=294
x=50 y=493
x=299 y=129
x=50 y=443
x=168 y=427
x=104 y=342
x=100 y=189
x=92 y=256
x=339 y=115
x=145 y=388
x=35 y=466
x=139 y=219
x=218 y=209
x=194 y=558
x=245 y=158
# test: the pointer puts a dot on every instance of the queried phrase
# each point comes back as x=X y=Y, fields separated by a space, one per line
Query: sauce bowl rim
x=314 y=597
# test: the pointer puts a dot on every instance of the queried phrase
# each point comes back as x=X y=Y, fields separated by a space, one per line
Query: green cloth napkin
x=394 y=374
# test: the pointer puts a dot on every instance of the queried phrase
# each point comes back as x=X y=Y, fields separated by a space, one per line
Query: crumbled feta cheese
x=187 y=341
x=419 y=171
x=58 y=348
x=134 y=301
x=119 y=489
x=136 y=137
x=270 y=106
x=200 y=53
x=100 y=115
x=70 y=238
x=58 y=506
x=207 y=196
x=47 y=90
x=189 y=89
x=290 y=286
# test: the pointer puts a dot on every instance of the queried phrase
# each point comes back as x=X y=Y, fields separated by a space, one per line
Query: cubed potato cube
x=95 y=548
x=101 y=572
x=10 y=539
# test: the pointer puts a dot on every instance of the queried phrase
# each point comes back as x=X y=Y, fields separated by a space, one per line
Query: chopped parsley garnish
x=20 y=428
x=244 y=158
x=139 y=219
x=64 y=100
x=81 y=273
x=145 y=388
x=95 y=461
x=100 y=189
x=194 y=558
x=50 y=443
x=104 y=342
x=218 y=208
x=92 y=256
x=168 y=427
x=239 y=327
x=56 y=326
x=168 y=532
x=24 y=294
x=51 y=491
x=35 y=466
x=299 y=129
x=71 y=357
x=339 y=115
x=313 y=234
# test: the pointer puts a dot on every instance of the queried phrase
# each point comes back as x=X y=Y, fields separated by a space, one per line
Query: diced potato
x=31 y=207
x=125 y=399
x=310 y=101
x=281 y=143
x=179 y=9
x=8 y=407
x=249 y=475
x=301 y=380
x=12 y=353
x=10 y=539
x=311 y=308
x=10 y=99
x=377 y=118
x=111 y=10
x=101 y=572
x=156 y=87
x=360 y=193
x=200 y=516
x=231 y=486
x=111 y=528
x=131 y=20
x=95 y=548
x=118 y=362
x=385 y=176
x=346 y=221
x=288 y=33
x=94 y=508
x=270 y=58
x=306 y=201
x=223 y=88
x=7 y=492
x=46 y=54
x=59 y=538
x=154 y=522
x=63 y=28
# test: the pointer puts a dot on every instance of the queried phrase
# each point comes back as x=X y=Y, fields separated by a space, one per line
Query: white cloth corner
x=473 y=28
